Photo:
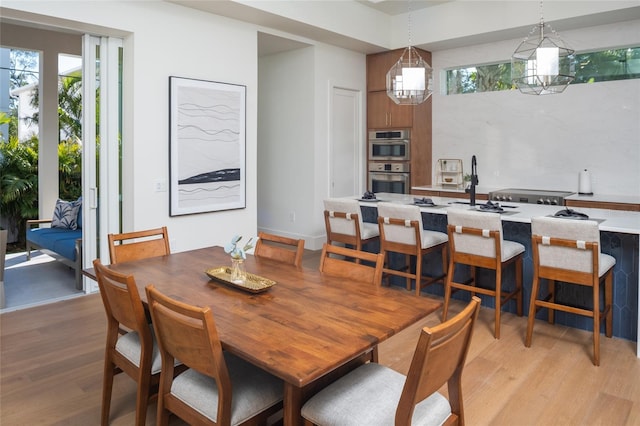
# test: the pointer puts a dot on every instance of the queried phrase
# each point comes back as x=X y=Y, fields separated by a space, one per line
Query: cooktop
x=532 y=196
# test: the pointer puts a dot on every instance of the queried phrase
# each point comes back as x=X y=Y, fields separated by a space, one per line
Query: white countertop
x=627 y=222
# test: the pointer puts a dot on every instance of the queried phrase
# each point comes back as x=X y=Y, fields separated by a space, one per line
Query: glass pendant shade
x=542 y=64
x=410 y=80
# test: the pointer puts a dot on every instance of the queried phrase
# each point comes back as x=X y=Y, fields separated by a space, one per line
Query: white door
x=346 y=149
x=101 y=77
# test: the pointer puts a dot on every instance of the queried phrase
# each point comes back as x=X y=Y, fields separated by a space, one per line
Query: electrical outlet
x=292 y=216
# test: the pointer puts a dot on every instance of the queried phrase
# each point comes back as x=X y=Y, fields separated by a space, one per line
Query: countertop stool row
x=564 y=250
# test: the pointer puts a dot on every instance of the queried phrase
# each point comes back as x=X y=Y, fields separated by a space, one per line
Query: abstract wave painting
x=207 y=137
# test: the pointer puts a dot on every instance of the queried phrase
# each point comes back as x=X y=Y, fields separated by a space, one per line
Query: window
x=591 y=67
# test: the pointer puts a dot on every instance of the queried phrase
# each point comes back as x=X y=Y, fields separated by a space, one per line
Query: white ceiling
x=371 y=26
x=397 y=7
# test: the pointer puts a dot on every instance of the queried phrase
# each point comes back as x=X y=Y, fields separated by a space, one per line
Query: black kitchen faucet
x=474 y=181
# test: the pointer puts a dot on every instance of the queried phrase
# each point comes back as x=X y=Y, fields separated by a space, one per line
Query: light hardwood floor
x=51 y=360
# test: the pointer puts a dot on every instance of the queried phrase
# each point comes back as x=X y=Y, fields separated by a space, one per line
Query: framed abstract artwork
x=207 y=146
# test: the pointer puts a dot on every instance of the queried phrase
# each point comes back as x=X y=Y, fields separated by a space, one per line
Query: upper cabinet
x=377 y=67
x=383 y=113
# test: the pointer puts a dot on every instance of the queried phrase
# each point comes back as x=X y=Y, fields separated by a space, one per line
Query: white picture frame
x=207 y=146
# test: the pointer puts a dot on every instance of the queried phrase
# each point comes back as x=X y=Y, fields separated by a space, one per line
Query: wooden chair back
x=188 y=333
x=124 y=308
x=476 y=237
x=566 y=250
x=343 y=223
x=439 y=358
x=282 y=249
x=335 y=260
x=138 y=245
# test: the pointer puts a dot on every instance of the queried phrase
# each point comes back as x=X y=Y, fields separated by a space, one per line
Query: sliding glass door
x=102 y=130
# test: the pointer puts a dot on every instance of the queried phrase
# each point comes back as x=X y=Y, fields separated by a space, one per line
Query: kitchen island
x=620 y=238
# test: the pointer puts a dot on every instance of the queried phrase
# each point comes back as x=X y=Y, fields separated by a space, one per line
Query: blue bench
x=63 y=244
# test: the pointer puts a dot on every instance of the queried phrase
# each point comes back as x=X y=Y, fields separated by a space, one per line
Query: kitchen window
x=591 y=67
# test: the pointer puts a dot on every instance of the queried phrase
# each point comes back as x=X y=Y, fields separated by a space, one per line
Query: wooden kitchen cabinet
x=383 y=113
x=603 y=205
x=377 y=67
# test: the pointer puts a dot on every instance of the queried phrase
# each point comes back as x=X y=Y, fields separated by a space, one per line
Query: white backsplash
x=543 y=142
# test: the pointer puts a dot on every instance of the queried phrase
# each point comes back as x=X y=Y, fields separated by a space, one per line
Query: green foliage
x=70 y=170
x=19 y=179
x=19 y=182
x=605 y=65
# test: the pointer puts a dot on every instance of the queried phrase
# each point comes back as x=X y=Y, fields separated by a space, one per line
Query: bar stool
x=568 y=250
x=344 y=224
x=475 y=239
x=401 y=231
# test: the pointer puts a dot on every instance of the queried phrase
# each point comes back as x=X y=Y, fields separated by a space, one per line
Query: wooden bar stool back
x=401 y=231
x=568 y=250
x=476 y=240
x=344 y=224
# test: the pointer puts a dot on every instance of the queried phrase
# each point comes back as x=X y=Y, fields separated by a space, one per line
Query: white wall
x=162 y=40
x=293 y=136
x=542 y=142
x=286 y=142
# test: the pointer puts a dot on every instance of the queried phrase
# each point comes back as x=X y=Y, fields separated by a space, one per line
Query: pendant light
x=410 y=80
x=542 y=64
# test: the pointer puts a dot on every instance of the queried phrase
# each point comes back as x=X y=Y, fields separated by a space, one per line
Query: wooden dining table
x=307 y=329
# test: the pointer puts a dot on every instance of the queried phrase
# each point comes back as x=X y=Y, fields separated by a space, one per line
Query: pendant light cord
x=541 y=22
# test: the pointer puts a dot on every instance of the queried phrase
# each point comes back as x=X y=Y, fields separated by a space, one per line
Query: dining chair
x=402 y=231
x=135 y=352
x=136 y=245
x=568 y=250
x=376 y=394
x=282 y=249
x=339 y=262
x=218 y=388
x=336 y=261
x=476 y=240
x=344 y=224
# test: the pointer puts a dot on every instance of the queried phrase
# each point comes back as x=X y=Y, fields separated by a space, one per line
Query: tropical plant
x=70 y=170
x=19 y=183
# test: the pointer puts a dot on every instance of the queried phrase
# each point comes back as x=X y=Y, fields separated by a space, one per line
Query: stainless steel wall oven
x=389 y=145
x=389 y=168
x=389 y=177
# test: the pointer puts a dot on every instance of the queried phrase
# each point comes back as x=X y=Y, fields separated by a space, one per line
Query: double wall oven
x=389 y=161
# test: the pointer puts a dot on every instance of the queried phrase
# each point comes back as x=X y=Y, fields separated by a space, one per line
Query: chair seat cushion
x=433 y=238
x=254 y=390
x=369 y=230
x=369 y=395
x=511 y=249
x=605 y=262
x=129 y=346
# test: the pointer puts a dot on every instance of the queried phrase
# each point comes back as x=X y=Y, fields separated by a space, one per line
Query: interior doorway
x=346 y=149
